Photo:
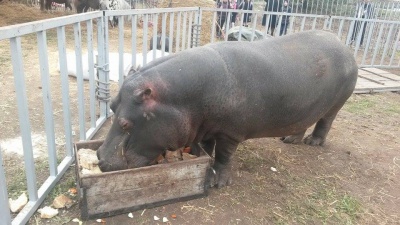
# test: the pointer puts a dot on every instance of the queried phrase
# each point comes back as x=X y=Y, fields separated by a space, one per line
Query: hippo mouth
x=125 y=157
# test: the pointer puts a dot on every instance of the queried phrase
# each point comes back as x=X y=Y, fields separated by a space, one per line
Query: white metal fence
x=375 y=43
x=84 y=104
x=386 y=10
x=83 y=109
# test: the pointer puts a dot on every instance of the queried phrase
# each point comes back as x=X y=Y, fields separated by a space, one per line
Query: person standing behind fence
x=285 y=18
x=234 y=14
x=271 y=6
x=246 y=5
x=222 y=16
x=364 y=10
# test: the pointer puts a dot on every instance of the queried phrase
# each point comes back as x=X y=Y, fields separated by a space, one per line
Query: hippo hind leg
x=294 y=139
x=318 y=136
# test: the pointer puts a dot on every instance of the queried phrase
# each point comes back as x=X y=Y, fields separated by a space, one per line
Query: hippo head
x=142 y=128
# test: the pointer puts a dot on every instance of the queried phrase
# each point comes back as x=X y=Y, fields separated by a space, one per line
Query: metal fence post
x=4 y=209
x=103 y=89
x=197 y=28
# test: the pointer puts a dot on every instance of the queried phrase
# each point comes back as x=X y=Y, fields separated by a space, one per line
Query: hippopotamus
x=221 y=94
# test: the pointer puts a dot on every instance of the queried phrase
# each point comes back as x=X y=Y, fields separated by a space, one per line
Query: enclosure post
x=163 y=31
x=103 y=66
x=4 y=210
x=65 y=90
x=19 y=82
x=92 y=84
x=121 y=50
x=79 y=80
x=133 y=41
x=197 y=28
x=47 y=102
x=171 y=31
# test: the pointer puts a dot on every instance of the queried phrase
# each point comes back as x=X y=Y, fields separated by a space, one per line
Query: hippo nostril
x=104 y=166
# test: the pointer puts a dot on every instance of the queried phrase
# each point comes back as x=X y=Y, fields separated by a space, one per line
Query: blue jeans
x=283 y=29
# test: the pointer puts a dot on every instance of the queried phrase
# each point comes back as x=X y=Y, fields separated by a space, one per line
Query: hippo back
x=247 y=86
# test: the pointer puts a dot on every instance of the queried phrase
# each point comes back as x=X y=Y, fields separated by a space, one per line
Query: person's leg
x=223 y=20
x=286 y=26
x=218 y=27
x=281 y=30
x=363 y=33
x=355 y=31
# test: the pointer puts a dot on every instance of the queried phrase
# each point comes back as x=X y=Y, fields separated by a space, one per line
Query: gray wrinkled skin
x=224 y=93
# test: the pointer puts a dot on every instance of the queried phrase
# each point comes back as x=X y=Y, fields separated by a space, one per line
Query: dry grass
x=25 y=14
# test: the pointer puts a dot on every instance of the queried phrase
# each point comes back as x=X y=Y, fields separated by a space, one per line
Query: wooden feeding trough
x=117 y=192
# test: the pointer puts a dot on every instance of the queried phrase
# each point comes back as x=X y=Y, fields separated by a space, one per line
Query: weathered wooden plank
x=381 y=73
x=363 y=72
x=375 y=70
x=383 y=77
x=368 y=85
x=391 y=76
x=145 y=176
x=372 y=90
x=117 y=192
x=130 y=198
x=372 y=78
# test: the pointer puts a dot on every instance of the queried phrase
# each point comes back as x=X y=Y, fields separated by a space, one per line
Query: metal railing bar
x=36 y=26
x=386 y=46
x=171 y=30
x=395 y=48
x=23 y=114
x=163 y=32
x=79 y=79
x=47 y=102
x=4 y=209
x=178 y=31
x=184 y=30
x=65 y=89
x=155 y=34
x=92 y=89
x=121 y=60
x=133 y=41
x=190 y=30
x=145 y=35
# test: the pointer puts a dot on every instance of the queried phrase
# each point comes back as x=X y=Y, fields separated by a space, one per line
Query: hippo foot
x=292 y=139
x=313 y=140
x=222 y=176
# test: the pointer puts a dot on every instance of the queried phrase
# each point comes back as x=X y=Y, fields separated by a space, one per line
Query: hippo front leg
x=224 y=148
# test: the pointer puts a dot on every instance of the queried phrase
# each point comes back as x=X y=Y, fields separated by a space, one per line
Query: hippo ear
x=142 y=95
x=132 y=70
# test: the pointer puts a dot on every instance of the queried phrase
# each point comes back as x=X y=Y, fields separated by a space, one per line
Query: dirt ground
x=353 y=179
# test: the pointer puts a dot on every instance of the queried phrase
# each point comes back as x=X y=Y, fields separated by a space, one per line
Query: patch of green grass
x=371 y=104
x=319 y=202
x=392 y=109
x=359 y=106
x=349 y=205
x=62 y=187
x=17 y=185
